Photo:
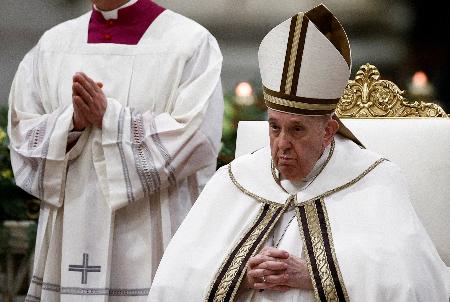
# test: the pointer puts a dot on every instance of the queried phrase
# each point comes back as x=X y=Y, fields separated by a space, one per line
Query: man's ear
x=331 y=128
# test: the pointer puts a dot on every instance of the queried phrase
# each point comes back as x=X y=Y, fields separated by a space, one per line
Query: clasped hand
x=89 y=102
x=275 y=269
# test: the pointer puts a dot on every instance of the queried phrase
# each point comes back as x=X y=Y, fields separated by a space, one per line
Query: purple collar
x=129 y=27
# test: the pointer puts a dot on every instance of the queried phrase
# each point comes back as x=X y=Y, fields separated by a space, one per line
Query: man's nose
x=284 y=141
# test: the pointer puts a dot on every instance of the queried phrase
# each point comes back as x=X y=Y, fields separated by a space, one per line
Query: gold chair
x=414 y=135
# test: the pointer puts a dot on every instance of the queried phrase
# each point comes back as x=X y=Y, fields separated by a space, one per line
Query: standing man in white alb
x=112 y=116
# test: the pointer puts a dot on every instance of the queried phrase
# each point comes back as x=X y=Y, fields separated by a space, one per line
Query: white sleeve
x=38 y=138
x=143 y=153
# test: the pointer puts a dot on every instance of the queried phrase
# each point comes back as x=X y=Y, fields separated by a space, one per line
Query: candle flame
x=420 y=79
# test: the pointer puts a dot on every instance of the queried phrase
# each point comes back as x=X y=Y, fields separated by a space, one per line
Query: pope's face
x=298 y=141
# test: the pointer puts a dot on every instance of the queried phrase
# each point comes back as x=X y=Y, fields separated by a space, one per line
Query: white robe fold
x=111 y=205
x=381 y=248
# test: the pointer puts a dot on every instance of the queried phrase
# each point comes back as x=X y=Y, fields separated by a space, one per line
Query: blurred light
x=244 y=94
x=244 y=89
x=420 y=79
x=420 y=86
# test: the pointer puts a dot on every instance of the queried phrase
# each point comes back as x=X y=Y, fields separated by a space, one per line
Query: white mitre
x=305 y=64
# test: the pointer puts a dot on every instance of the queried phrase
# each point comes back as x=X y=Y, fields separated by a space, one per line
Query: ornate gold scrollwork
x=368 y=96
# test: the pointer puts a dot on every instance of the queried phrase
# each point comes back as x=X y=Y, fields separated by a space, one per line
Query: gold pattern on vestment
x=229 y=253
x=247 y=192
x=267 y=223
x=327 y=283
x=238 y=259
x=348 y=184
x=319 y=252
x=369 y=97
x=262 y=241
x=333 y=252
x=305 y=253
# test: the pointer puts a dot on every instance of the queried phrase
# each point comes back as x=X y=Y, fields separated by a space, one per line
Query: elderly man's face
x=297 y=142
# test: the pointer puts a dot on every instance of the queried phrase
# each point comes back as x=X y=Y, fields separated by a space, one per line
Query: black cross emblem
x=84 y=268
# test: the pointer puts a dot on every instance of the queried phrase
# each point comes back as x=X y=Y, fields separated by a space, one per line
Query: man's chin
x=287 y=165
x=286 y=170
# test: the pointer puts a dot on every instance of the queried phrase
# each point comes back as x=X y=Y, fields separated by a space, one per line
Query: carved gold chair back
x=367 y=96
x=414 y=135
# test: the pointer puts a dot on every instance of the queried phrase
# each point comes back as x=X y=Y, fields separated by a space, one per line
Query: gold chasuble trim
x=247 y=192
x=317 y=239
x=320 y=254
x=229 y=277
x=350 y=183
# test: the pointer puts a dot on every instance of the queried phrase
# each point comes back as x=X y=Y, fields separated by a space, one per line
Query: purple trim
x=129 y=27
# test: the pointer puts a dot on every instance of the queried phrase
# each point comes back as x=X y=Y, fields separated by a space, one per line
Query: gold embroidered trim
x=333 y=252
x=293 y=54
x=229 y=253
x=267 y=222
x=328 y=287
x=243 y=251
x=305 y=253
x=319 y=252
x=247 y=192
x=263 y=240
x=299 y=105
x=349 y=184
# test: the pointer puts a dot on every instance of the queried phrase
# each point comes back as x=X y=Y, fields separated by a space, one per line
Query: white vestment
x=367 y=242
x=112 y=203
